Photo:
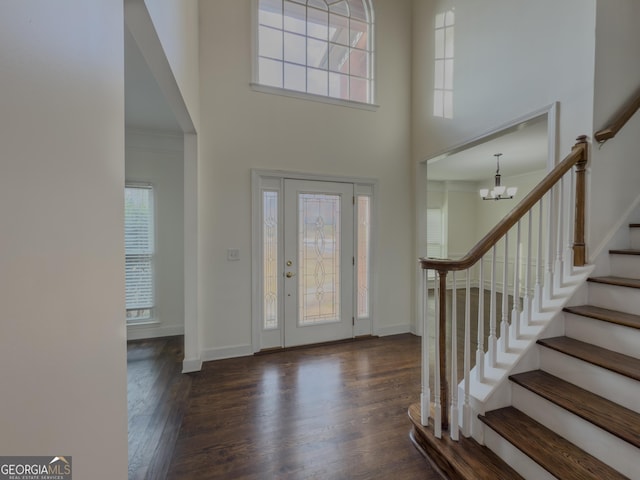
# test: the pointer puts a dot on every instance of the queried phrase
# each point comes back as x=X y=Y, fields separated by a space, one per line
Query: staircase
x=578 y=415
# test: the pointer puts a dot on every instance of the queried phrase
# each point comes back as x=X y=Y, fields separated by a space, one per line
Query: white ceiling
x=523 y=150
x=144 y=104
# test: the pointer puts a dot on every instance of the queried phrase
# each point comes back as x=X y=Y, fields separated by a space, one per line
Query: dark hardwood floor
x=157 y=399
x=324 y=412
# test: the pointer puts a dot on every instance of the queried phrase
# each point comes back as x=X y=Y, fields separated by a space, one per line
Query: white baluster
x=425 y=396
x=480 y=350
x=527 y=301
x=559 y=266
x=568 y=264
x=504 y=326
x=493 y=338
x=437 y=406
x=539 y=267
x=466 y=408
x=515 y=311
x=551 y=224
x=453 y=417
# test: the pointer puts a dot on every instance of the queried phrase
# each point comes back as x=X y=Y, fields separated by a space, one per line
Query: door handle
x=289 y=274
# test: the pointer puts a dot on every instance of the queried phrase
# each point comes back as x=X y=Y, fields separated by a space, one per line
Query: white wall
x=62 y=347
x=243 y=129
x=615 y=168
x=512 y=57
x=176 y=23
x=158 y=159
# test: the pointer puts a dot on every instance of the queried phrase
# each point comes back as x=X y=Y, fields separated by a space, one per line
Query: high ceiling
x=145 y=106
x=523 y=150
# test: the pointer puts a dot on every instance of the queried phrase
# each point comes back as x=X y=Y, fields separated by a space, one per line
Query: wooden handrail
x=578 y=156
x=619 y=121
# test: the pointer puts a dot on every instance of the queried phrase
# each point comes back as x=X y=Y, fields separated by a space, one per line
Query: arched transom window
x=321 y=47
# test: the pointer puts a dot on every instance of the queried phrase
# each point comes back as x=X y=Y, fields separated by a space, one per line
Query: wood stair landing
x=616 y=362
x=555 y=454
x=606 y=315
x=465 y=459
x=609 y=416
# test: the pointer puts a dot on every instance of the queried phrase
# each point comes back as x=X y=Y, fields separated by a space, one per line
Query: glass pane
x=295 y=48
x=364 y=248
x=438 y=103
x=358 y=10
x=318 y=4
x=439 y=43
x=358 y=34
x=270 y=258
x=317 y=53
x=139 y=281
x=317 y=24
x=340 y=7
x=338 y=59
x=448 y=74
x=448 y=44
x=295 y=77
x=440 y=20
x=358 y=63
x=270 y=72
x=358 y=90
x=449 y=18
x=138 y=220
x=338 y=29
x=448 y=104
x=270 y=13
x=270 y=43
x=317 y=81
x=438 y=81
x=295 y=17
x=319 y=258
x=339 y=86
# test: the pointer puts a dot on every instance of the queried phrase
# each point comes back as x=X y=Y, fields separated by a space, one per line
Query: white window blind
x=139 y=250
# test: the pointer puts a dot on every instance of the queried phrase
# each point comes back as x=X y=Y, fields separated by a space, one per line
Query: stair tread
x=634 y=225
x=619 y=281
x=606 y=315
x=625 y=251
x=554 y=453
x=465 y=459
x=614 y=361
x=609 y=416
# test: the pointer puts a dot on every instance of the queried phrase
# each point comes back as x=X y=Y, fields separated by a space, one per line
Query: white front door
x=318 y=261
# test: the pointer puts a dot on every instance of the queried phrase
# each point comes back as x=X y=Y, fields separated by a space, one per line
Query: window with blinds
x=139 y=250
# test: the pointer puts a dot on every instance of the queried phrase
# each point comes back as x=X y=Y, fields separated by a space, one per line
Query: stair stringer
x=495 y=390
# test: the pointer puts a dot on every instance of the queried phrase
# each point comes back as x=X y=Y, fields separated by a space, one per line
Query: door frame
x=273 y=180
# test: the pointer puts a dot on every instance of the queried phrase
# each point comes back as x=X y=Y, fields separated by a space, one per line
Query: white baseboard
x=221 y=353
x=138 y=332
x=393 y=330
x=191 y=365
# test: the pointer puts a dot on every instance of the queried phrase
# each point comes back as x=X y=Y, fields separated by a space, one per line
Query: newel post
x=579 y=250
x=442 y=348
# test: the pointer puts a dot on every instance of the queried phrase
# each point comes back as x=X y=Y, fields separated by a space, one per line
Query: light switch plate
x=233 y=254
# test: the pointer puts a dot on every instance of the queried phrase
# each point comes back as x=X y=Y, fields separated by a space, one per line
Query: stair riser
x=623 y=299
x=607 y=335
x=634 y=238
x=514 y=457
x=625 y=265
x=608 y=448
x=612 y=386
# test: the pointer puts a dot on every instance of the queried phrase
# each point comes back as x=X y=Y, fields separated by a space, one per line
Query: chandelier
x=498 y=192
